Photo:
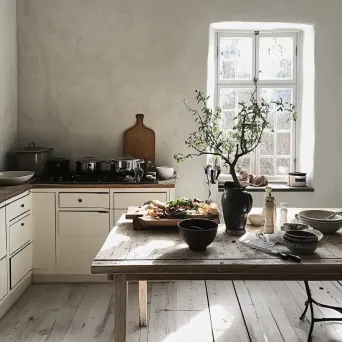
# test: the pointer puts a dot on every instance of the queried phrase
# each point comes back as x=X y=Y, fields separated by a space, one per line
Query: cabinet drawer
x=3 y=278
x=2 y=233
x=83 y=200
x=20 y=265
x=20 y=233
x=83 y=222
x=18 y=207
x=77 y=253
x=122 y=200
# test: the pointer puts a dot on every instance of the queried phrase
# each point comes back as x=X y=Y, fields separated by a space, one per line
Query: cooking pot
x=58 y=167
x=125 y=163
x=33 y=158
x=88 y=165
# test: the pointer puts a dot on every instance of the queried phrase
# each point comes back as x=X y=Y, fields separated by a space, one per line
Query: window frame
x=294 y=83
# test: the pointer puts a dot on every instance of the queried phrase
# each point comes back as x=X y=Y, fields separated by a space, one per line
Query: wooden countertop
x=7 y=192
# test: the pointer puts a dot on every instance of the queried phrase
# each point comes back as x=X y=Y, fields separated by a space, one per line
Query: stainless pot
x=87 y=165
x=33 y=158
x=125 y=163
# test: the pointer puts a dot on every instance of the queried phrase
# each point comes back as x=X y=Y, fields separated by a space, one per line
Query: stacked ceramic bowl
x=327 y=222
x=300 y=241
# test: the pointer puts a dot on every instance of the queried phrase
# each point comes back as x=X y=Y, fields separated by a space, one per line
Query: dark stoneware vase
x=236 y=204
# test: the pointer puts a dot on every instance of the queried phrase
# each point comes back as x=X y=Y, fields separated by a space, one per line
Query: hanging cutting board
x=140 y=141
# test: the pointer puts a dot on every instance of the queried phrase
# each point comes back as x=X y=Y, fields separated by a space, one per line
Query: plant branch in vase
x=229 y=146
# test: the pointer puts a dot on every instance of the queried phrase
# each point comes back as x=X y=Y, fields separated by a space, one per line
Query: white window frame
x=294 y=83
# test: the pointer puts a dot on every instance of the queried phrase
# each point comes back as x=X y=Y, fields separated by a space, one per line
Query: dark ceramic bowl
x=197 y=233
x=301 y=236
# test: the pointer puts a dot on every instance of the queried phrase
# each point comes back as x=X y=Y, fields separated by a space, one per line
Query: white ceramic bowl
x=256 y=220
x=165 y=172
x=15 y=177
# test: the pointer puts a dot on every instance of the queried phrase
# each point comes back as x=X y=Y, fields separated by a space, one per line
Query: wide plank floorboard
x=196 y=311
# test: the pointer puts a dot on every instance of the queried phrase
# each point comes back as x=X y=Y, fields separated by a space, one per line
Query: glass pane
x=266 y=166
x=236 y=58
x=244 y=164
x=283 y=166
x=283 y=120
x=267 y=144
x=230 y=98
x=276 y=58
x=227 y=119
x=283 y=143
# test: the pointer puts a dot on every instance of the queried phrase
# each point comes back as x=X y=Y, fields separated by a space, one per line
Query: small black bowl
x=197 y=238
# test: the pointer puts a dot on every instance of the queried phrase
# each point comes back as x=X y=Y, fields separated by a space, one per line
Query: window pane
x=236 y=58
x=283 y=143
x=244 y=164
x=276 y=58
x=266 y=166
x=283 y=166
x=266 y=146
x=227 y=119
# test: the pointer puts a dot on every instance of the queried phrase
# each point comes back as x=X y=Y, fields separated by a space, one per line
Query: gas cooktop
x=95 y=178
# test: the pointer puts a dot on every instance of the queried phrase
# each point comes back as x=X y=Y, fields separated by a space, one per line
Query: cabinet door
x=19 y=233
x=20 y=265
x=3 y=278
x=83 y=200
x=2 y=233
x=83 y=223
x=18 y=207
x=44 y=230
x=76 y=253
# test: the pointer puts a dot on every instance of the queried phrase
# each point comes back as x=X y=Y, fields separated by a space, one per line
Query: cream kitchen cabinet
x=44 y=230
x=19 y=233
x=20 y=265
x=3 y=278
x=2 y=232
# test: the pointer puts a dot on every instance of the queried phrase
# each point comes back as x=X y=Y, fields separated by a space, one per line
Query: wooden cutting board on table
x=140 y=221
x=140 y=141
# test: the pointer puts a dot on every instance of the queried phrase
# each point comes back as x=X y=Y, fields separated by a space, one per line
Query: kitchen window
x=271 y=57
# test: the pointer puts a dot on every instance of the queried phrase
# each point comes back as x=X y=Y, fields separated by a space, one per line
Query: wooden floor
x=180 y=311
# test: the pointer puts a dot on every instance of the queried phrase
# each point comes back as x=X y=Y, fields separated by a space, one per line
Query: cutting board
x=139 y=141
x=146 y=222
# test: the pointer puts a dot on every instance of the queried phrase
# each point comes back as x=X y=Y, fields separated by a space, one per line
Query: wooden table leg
x=120 y=307
x=142 y=303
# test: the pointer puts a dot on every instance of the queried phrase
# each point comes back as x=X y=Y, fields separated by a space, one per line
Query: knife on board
x=282 y=255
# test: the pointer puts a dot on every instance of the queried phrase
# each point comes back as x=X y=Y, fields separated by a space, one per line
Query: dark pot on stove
x=236 y=204
x=88 y=165
x=58 y=167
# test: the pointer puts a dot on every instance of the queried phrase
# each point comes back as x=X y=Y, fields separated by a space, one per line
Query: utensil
x=15 y=177
x=318 y=215
x=197 y=240
x=58 y=167
x=139 y=141
x=126 y=163
x=33 y=158
x=325 y=226
x=282 y=255
x=256 y=220
x=300 y=247
x=87 y=165
x=329 y=217
x=297 y=179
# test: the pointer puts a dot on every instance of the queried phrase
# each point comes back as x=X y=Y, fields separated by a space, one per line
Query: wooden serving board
x=140 y=141
x=140 y=221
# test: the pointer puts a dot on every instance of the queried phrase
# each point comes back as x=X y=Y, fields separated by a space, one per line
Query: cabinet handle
x=80 y=200
x=22 y=205
x=103 y=212
x=22 y=224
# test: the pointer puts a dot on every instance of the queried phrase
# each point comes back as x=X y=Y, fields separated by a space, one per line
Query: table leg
x=120 y=307
x=142 y=303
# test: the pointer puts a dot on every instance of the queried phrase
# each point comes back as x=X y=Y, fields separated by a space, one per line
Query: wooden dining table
x=161 y=254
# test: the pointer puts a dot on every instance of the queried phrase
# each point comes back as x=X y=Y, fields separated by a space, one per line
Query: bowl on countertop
x=198 y=234
x=256 y=220
x=165 y=172
x=300 y=241
x=315 y=219
x=15 y=177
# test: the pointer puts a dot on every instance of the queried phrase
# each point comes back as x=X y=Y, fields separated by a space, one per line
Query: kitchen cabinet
x=2 y=233
x=18 y=207
x=20 y=265
x=84 y=200
x=44 y=230
x=3 y=278
x=122 y=200
x=19 y=233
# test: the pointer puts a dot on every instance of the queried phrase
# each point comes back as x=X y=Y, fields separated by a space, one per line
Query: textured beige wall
x=8 y=79
x=87 y=66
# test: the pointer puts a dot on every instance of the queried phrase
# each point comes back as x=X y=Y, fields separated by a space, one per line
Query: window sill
x=276 y=187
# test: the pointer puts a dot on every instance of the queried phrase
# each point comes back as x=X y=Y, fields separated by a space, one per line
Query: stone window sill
x=276 y=187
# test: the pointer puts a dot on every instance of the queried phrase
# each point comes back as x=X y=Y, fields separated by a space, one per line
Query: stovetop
x=94 y=178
